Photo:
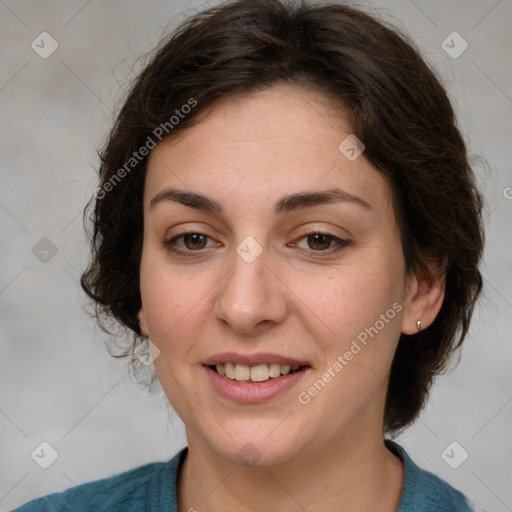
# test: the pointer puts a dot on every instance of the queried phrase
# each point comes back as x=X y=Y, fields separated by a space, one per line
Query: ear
x=424 y=300
x=142 y=322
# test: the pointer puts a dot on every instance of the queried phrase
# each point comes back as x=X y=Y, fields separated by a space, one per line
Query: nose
x=251 y=297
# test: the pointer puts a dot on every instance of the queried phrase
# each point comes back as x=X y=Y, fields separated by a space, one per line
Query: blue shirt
x=152 y=488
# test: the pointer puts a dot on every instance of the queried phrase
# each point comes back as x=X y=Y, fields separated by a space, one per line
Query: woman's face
x=296 y=261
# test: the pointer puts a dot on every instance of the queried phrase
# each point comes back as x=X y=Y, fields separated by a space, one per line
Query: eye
x=194 y=241
x=322 y=242
x=188 y=243
x=191 y=242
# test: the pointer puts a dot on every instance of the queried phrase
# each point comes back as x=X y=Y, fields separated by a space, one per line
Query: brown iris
x=319 y=239
x=194 y=241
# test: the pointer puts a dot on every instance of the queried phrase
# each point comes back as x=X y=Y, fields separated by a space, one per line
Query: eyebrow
x=286 y=204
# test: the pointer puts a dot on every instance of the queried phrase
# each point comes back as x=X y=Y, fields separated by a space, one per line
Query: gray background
x=58 y=383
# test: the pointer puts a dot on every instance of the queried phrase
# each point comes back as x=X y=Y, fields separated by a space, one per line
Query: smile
x=259 y=373
x=252 y=378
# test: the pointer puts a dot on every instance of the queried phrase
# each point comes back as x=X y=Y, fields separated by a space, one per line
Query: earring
x=418 y=325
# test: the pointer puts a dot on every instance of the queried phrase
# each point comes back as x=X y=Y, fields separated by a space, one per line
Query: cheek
x=171 y=300
x=352 y=298
x=172 y=304
x=361 y=306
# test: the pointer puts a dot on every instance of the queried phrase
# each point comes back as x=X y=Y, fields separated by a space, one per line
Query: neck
x=356 y=473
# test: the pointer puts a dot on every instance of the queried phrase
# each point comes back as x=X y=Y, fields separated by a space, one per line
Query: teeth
x=230 y=370
x=242 y=372
x=274 y=370
x=258 y=373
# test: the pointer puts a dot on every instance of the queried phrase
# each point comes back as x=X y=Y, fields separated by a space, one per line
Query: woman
x=287 y=212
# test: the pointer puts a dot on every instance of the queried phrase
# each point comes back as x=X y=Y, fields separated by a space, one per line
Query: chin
x=261 y=445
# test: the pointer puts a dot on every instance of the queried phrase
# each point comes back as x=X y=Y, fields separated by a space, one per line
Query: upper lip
x=253 y=359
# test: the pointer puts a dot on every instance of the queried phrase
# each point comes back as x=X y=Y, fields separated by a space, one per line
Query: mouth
x=254 y=374
x=254 y=378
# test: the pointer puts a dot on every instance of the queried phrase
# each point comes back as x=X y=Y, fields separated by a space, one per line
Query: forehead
x=262 y=146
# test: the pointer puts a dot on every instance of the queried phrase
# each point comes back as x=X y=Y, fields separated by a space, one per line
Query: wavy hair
x=396 y=105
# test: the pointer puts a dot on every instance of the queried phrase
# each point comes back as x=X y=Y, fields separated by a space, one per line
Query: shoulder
x=145 y=488
x=423 y=491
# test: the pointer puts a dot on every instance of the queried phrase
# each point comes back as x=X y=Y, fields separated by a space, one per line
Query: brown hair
x=396 y=106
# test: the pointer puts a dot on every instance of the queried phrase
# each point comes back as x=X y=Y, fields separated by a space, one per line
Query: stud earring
x=418 y=325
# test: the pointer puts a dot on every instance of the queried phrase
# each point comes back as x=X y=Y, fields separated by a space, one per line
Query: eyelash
x=341 y=244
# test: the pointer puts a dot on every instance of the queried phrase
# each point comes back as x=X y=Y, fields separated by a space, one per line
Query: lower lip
x=253 y=392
